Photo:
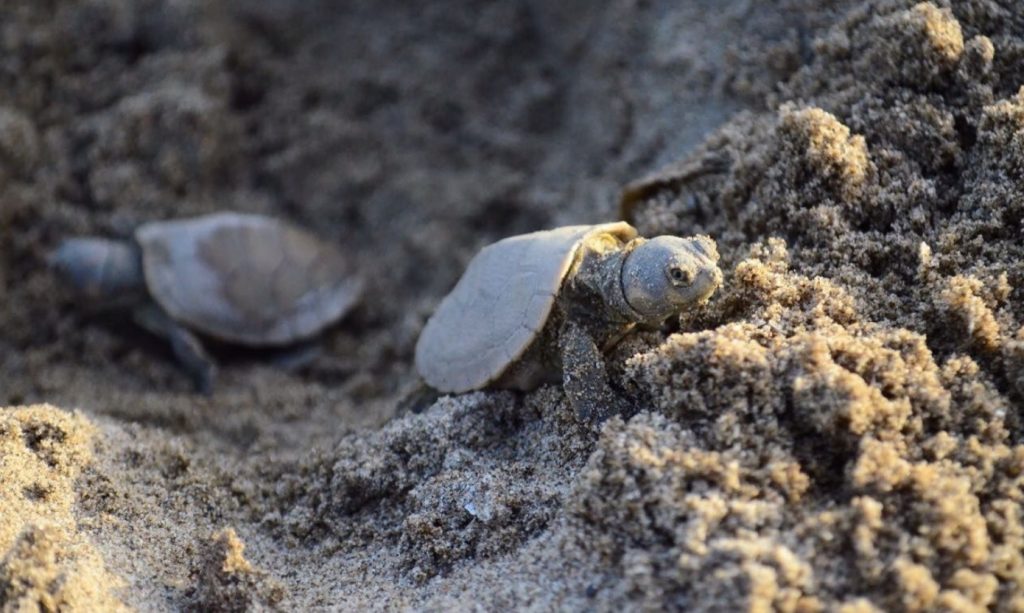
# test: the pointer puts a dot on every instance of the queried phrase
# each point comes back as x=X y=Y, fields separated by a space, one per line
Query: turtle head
x=667 y=274
x=98 y=269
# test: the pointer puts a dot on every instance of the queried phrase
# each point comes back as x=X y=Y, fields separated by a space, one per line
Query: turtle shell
x=246 y=279
x=499 y=306
x=670 y=176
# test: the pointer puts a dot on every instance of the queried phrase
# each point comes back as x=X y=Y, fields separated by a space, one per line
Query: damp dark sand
x=840 y=428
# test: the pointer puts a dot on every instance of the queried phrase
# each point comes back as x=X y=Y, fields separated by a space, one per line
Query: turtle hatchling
x=244 y=279
x=544 y=306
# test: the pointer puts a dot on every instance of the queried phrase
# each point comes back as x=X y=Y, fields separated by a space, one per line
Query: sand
x=840 y=428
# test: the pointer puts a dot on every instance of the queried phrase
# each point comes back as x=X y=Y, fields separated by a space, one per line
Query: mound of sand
x=49 y=561
x=840 y=428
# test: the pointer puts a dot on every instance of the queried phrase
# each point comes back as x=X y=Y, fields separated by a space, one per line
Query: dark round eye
x=680 y=275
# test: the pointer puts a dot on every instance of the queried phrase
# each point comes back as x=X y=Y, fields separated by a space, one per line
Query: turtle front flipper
x=186 y=346
x=585 y=379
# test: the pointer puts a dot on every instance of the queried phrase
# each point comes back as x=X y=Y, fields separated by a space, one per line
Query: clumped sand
x=49 y=561
x=840 y=428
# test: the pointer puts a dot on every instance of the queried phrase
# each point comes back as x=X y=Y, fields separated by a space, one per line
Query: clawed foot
x=596 y=413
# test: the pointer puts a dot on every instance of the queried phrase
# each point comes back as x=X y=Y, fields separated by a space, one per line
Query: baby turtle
x=540 y=306
x=244 y=279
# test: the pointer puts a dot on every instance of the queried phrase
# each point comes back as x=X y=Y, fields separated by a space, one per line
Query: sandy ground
x=840 y=428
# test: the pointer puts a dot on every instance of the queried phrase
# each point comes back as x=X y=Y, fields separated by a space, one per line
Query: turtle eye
x=680 y=275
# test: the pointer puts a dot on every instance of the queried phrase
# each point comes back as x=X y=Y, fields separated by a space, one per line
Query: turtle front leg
x=186 y=346
x=585 y=379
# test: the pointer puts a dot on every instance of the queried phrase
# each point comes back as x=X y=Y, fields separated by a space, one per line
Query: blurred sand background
x=839 y=429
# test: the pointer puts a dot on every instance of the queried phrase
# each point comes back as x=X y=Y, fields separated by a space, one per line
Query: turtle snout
x=714 y=276
x=72 y=265
x=711 y=279
x=79 y=267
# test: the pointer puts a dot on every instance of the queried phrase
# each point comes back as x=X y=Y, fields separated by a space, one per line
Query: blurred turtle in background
x=244 y=279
